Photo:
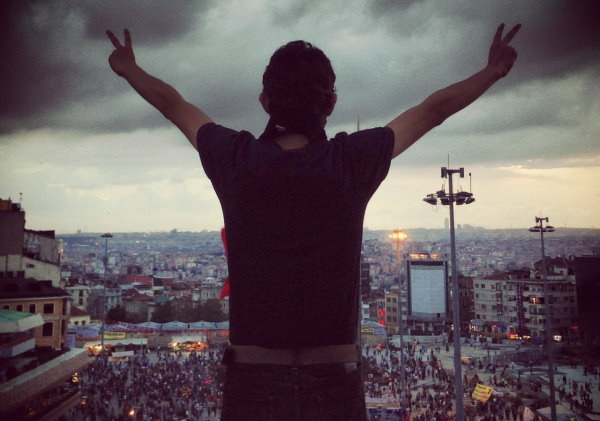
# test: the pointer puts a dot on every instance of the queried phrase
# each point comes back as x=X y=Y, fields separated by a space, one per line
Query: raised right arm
x=409 y=126
x=187 y=117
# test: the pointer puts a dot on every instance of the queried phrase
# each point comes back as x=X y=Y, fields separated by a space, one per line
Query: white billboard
x=428 y=289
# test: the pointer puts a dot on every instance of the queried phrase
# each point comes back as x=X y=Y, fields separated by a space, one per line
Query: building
x=466 y=302
x=512 y=304
x=30 y=290
x=111 y=297
x=79 y=317
x=17 y=332
x=428 y=295
x=586 y=270
x=80 y=295
x=139 y=304
x=365 y=277
x=210 y=292
x=31 y=296
x=392 y=311
x=26 y=253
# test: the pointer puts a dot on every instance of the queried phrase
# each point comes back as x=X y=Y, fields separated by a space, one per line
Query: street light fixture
x=399 y=237
x=548 y=313
x=449 y=199
x=105 y=260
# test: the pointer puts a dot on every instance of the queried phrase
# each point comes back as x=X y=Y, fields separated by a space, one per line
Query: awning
x=122 y=354
x=188 y=338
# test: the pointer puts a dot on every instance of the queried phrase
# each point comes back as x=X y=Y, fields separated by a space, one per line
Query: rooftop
x=17 y=321
x=29 y=288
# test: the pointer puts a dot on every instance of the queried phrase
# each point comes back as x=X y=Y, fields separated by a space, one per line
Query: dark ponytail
x=299 y=82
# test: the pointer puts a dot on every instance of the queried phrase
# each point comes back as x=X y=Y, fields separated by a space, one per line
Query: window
x=19 y=307
x=47 y=329
x=5 y=307
x=48 y=308
x=32 y=308
x=83 y=323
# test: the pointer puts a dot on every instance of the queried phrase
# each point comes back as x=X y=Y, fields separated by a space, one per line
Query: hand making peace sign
x=502 y=56
x=122 y=57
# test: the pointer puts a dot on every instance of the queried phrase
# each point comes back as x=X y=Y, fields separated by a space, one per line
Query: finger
x=498 y=36
x=113 y=39
x=511 y=34
x=127 y=38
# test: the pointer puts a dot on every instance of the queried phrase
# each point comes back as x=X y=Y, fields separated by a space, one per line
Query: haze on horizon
x=88 y=154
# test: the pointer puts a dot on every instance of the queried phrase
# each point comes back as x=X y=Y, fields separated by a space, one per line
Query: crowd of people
x=161 y=385
x=429 y=391
x=168 y=385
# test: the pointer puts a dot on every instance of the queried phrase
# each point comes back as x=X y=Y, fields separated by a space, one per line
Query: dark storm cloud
x=558 y=36
x=45 y=49
x=55 y=74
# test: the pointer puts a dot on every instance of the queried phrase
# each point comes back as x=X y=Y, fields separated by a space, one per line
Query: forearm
x=159 y=94
x=454 y=98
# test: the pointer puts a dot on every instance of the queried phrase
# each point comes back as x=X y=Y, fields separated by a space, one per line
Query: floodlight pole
x=460 y=198
x=548 y=314
x=105 y=260
x=458 y=386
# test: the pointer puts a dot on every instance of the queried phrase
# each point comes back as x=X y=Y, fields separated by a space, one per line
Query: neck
x=291 y=141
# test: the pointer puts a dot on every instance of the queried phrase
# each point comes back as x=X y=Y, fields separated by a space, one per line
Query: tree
x=186 y=312
x=116 y=314
x=211 y=311
x=164 y=313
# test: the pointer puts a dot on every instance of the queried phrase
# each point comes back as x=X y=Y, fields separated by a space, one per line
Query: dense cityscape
x=132 y=325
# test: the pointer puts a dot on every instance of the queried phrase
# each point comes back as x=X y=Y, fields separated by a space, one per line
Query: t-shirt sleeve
x=368 y=154
x=217 y=148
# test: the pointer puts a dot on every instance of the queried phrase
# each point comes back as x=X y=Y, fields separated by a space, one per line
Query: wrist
x=130 y=71
x=493 y=73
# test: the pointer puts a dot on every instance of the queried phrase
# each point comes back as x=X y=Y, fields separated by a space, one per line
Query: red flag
x=225 y=289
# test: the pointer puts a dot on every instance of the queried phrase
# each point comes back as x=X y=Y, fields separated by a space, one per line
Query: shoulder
x=212 y=135
x=378 y=138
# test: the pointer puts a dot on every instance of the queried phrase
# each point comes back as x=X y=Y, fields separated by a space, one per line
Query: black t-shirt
x=294 y=221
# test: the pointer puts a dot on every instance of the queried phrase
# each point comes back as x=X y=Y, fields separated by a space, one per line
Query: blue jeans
x=324 y=392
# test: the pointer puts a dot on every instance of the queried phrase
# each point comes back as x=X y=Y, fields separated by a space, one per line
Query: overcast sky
x=88 y=154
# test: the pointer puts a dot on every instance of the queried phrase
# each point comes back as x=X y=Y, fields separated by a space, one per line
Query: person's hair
x=299 y=82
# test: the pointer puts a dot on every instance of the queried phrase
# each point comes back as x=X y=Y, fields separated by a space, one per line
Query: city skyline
x=88 y=154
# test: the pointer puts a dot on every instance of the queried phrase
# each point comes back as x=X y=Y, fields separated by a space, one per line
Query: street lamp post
x=399 y=236
x=105 y=260
x=460 y=198
x=548 y=313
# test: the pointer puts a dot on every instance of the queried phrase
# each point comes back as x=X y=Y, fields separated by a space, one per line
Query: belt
x=251 y=354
